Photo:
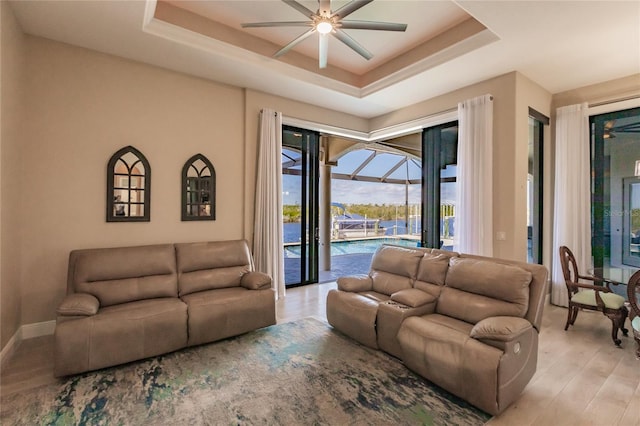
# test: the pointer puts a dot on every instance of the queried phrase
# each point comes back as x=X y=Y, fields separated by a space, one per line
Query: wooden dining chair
x=633 y=294
x=596 y=296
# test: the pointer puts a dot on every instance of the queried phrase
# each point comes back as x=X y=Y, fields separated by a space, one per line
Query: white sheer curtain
x=572 y=201
x=267 y=231
x=474 y=197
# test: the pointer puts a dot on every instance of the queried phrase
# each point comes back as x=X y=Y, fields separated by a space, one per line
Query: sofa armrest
x=502 y=329
x=78 y=305
x=412 y=297
x=255 y=280
x=355 y=283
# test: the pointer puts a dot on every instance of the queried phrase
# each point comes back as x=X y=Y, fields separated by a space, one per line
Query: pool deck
x=342 y=264
x=346 y=264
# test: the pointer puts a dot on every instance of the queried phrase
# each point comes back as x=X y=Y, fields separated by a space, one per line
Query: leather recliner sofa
x=467 y=323
x=128 y=303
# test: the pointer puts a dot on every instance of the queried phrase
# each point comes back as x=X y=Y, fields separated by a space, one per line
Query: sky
x=354 y=192
x=358 y=192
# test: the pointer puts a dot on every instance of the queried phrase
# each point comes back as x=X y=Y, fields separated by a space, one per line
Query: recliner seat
x=469 y=324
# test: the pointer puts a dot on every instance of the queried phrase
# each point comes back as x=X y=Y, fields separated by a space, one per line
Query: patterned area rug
x=297 y=373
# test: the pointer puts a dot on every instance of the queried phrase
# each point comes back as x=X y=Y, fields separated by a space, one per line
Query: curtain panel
x=474 y=198
x=267 y=232
x=572 y=200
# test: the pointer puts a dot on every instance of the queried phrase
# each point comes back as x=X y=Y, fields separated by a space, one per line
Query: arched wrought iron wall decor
x=198 y=189
x=128 y=187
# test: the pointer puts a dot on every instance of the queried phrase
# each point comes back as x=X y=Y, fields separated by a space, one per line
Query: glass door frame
x=309 y=203
x=601 y=208
x=539 y=122
x=431 y=180
x=628 y=185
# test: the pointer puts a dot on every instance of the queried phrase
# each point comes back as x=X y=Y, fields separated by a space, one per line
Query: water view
x=391 y=227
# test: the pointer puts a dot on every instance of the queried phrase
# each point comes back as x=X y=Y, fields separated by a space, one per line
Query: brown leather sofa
x=129 y=303
x=467 y=323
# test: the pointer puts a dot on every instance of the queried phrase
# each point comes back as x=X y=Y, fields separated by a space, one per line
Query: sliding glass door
x=615 y=162
x=300 y=169
x=439 y=185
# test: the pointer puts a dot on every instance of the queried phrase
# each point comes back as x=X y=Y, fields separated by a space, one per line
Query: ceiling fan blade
x=324 y=7
x=294 y=43
x=349 y=8
x=300 y=8
x=277 y=24
x=323 y=41
x=370 y=25
x=346 y=39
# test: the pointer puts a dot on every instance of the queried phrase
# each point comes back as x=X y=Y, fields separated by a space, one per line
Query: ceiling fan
x=326 y=22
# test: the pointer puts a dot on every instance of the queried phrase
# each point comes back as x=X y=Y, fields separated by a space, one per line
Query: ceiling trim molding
x=440 y=57
x=325 y=128
x=389 y=132
x=413 y=126
x=453 y=43
x=177 y=34
x=149 y=11
x=613 y=106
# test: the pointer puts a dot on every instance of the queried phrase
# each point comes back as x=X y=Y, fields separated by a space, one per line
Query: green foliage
x=377 y=211
x=291 y=213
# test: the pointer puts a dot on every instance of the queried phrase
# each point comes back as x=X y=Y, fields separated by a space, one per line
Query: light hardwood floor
x=582 y=378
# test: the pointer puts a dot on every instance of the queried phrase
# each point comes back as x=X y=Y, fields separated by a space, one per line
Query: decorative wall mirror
x=128 y=187
x=198 y=189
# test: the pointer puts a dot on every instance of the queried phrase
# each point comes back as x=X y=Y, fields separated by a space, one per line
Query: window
x=198 y=189
x=128 y=186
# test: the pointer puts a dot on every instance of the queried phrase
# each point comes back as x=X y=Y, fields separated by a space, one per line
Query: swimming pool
x=339 y=248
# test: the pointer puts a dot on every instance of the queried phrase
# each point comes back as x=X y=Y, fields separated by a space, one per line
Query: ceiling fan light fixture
x=324 y=22
x=324 y=27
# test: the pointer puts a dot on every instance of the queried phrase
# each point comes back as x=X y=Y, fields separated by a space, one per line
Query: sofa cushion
x=254 y=280
x=500 y=328
x=432 y=272
x=388 y=283
x=478 y=289
x=440 y=349
x=211 y=265
x=124 y=274
x=221 y=313
x=433 y=268
x=354 y=314
x=394 y=268
x=412 y=297
x=505 y=282
x=120 y=333
x=355 y=283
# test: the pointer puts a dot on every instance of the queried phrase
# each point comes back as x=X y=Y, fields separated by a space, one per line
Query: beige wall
x=531 y=95
x=605 y=92
x=83 y=106
x=512 y=93
x=11 y=94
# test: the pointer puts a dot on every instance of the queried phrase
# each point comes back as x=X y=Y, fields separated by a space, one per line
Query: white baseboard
x=26 y=331
x=9 y=348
